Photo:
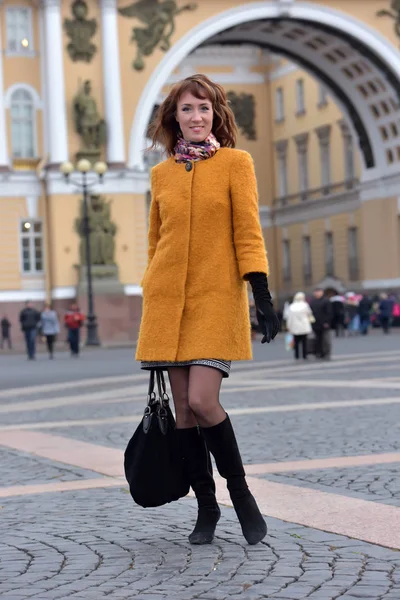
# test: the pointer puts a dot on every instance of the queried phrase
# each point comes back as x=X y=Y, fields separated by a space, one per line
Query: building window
x=281 y=150
x=287 y=268
x=329 y=255
x=302 y=161
x=300 y=102
x=307 y=265
x=282 y=176
x=19 y=30
x=322 y=95
x=325 y=156
x=22 y=124
x=32 y=246
x=349 y=170
x=353 y=254
x=279 y=105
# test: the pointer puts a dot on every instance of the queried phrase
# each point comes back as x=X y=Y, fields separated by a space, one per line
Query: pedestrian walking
x=386 y=306
x=352 y=316
x=50 y=327
x=338 y=315
x=6 y=332
x=74 y=320
x=299 y=319
x=205 y=241
x=29 y=318
x=364 y=313
x=322 y=311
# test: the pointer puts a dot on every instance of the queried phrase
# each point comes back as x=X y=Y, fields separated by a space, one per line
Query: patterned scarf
x=185 y=151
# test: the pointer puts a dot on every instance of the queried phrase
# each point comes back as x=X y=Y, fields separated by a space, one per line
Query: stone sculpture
x=395 y=6
x=102 y=231
x=80 y=30
x=243 y=106
x=159 y=19
x=88 y=123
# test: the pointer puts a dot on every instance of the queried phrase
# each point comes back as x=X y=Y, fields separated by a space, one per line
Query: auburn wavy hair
x=165 y=128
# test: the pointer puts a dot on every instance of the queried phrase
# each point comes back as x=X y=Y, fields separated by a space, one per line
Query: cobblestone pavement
x=59 y=539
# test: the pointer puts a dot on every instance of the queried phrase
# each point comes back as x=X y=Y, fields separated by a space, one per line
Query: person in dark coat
x=29 y=318
x=322 y=311
x=364 y=312
x=338 y=315
x=386 y=306
x=5 y=332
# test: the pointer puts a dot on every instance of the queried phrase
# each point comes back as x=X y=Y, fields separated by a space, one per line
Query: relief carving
x=158 y=17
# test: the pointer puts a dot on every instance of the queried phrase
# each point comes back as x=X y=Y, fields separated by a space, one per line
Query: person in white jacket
x=299 y=321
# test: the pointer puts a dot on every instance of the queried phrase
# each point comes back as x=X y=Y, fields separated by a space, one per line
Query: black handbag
x=153 y=465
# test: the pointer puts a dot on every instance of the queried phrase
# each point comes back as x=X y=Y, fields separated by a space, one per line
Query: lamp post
x=84 y=167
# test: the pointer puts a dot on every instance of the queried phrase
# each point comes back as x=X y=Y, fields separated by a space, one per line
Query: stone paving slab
x=108 y=402
x=287 y=436
x=376 y=482
x=21 y=468
x=98 y=544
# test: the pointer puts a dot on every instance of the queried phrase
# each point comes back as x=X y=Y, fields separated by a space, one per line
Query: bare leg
x=204 y=388
x=179 y=380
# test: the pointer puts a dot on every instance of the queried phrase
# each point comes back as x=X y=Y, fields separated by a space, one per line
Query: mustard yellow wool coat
x=204 y=236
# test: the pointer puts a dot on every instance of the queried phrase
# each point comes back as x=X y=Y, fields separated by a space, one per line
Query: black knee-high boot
x=221 y=442
x=198 y=467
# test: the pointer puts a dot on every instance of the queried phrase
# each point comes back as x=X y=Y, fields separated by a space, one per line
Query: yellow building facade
x=315 y=91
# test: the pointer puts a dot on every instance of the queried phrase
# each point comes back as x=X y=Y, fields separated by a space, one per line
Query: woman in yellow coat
x=205 y=241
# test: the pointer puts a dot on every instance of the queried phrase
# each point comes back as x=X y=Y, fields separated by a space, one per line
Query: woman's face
x=195 y=117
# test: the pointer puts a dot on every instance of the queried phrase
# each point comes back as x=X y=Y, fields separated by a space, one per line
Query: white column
x=112 y=83
x=56 y=102
x=3 y=128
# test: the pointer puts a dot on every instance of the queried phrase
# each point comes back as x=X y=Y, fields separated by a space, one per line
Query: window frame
x=307 y=264
x=30 y=51
x=322 y=96
x=34 y=125
x=300 y=97
x=353 y=257
x=349 y=165
x=329 y=254
x=279 y=105
x=286 y=261
x=283 y=175
x=31 y=235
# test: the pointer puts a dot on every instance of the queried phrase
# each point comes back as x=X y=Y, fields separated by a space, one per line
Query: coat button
x=189 y=166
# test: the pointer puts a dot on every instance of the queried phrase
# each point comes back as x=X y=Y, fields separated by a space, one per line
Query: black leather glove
x=266 y=316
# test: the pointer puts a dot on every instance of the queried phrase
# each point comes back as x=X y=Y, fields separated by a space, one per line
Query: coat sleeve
x=154 y=220
x=247 y=234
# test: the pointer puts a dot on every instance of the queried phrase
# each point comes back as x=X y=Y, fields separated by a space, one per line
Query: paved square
x=321 y=442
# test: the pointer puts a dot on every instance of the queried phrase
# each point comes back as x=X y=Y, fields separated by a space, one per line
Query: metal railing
x=315 y=193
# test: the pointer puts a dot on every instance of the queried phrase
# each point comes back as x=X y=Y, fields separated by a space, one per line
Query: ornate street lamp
x=84 y=167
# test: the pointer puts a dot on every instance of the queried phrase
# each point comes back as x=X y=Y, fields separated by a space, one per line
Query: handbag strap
x=162 y=390
x=151 y=383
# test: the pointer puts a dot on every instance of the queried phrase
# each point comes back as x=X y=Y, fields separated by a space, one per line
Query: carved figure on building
x=395 y=6
x=80 y=30
x=159 y=19
x=243 y=106
x=102 y=231
x=88 y=123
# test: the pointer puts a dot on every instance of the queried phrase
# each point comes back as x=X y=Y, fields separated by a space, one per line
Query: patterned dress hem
x=222 y=365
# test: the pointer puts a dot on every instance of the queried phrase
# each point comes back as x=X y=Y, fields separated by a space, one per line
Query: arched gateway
x=360 y=67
